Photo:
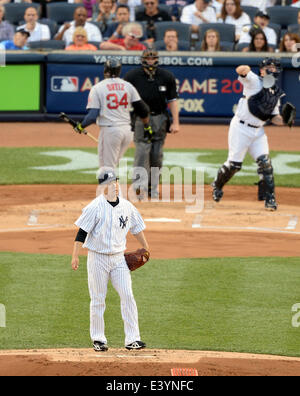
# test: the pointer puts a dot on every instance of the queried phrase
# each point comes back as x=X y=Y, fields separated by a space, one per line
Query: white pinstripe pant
x=101 y=268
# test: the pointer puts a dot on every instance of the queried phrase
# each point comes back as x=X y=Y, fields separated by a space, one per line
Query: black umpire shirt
x=156 y=93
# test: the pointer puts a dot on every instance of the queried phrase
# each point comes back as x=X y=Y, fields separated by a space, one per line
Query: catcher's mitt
x=288 y=114
x=137 y=259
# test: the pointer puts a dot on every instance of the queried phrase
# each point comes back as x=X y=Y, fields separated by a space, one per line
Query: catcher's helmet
x=112 y=68
x=149 y=53
x=272 y=62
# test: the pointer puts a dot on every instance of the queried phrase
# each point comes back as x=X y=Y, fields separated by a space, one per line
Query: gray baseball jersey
x=113 y=98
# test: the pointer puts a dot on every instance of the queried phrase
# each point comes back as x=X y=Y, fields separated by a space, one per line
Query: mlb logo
x=64 y=84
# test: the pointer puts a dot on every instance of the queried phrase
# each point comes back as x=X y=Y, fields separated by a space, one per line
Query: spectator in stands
x=217 y=5
x=258 y=43
x=80 y=41
x=171 y=41
x=261 y=22
x=289 y=43
x=297 y=4
x=114 y=29
x=131 y=32
x=197 y=13
x=89 y=5
x=104 y=13
x=176 y=7
x=4 y=1
x=17 y=43
x=6 y=29
x=261 y=4
x=233 y=14
x=151 y=15
x=80 y=19
x=38 y=31
x=211 y=41
x=132 y=4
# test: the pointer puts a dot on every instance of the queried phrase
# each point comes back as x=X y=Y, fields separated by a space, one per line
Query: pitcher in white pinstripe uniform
x=103 y=227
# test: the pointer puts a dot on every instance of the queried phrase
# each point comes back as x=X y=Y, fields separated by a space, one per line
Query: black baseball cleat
x=271 y=204
x=135 y=345
x=100 y=346
x=217 y=193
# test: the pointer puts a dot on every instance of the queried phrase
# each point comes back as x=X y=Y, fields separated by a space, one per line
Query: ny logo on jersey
x=123 y=223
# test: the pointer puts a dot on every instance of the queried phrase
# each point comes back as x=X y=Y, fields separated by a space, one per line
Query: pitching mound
x=120 y=362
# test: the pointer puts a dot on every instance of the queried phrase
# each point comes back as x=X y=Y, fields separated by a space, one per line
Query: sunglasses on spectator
x=132 y=35
x=80 y=35
x=149 y=3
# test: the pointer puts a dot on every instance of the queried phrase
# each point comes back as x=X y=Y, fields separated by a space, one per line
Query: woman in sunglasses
x=132 y=32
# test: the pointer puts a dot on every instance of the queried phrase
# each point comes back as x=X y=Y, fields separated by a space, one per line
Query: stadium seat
x=241 y=46
x=14 y=12
x=283 y=2
x=225 y=46
x=182 y=45
x=183 y=30
x=61 y=12
x=226 y=31
x=277 y=28
x=251 y=11
x=283 y=16
x=294 y=29
x=47 y=45
x=51 y=24
x=162 y=7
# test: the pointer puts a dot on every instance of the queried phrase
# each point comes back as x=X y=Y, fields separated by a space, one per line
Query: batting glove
x=78 y=128
x=148 y=133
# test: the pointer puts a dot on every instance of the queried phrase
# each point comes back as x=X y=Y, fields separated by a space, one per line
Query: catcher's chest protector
x=264 y=102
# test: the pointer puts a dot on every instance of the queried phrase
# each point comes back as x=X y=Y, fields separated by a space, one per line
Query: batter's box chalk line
x=184 y=372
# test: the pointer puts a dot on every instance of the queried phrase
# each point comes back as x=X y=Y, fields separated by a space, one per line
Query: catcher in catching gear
x=260 y=103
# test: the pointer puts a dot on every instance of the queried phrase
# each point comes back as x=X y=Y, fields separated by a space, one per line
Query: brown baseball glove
x=137 y=258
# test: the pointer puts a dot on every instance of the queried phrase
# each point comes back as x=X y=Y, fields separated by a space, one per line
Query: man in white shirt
x=296 y=4
x=38 y=31
x=198 y=13
x=261 y=4
x=262 y=21
x=80 y=16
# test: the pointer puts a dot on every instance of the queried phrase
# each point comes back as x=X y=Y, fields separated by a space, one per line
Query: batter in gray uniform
x=109 y=105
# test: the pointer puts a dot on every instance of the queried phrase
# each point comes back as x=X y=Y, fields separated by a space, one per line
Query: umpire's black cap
x=107 y=177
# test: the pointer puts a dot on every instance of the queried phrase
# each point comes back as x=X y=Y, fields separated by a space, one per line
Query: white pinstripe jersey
x=113 y=98
x=107 y=226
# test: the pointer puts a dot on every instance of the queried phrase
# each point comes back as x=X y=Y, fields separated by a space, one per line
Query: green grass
x=230 y=304
x=17 y=165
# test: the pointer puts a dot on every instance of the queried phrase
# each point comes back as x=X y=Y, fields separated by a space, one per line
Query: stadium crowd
x=168 y=25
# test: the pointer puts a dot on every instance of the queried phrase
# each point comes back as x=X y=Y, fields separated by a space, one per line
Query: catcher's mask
x=272 y=62
x=112 y=68
x=150 y=53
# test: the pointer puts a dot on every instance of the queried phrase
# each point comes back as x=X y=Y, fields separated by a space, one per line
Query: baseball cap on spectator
x=107 y=177
x=262 y=14
x=23 y=31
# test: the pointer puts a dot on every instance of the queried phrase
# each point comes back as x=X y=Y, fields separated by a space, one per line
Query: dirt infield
x=39 y=219
x=151 y=362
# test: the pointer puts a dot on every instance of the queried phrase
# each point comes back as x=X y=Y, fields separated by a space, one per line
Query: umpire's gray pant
x=149 y=156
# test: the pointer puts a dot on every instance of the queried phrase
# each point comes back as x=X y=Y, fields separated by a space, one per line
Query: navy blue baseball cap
x=107 y=177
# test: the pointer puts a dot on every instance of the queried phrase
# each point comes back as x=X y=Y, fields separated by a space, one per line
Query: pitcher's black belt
x=249 y=125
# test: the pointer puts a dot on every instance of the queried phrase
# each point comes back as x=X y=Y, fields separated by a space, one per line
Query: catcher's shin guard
x=265 y=169
x=223 y=177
